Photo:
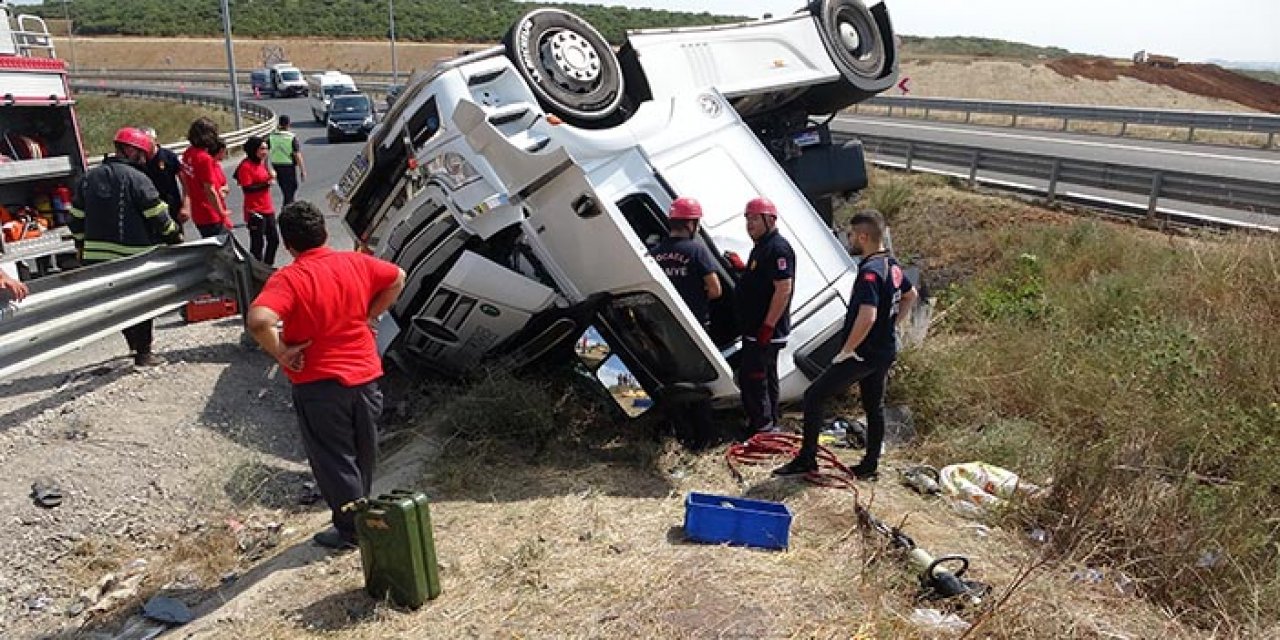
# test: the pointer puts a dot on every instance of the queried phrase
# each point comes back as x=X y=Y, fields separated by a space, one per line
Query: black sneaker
x=797 y=467
x=332 y=539
x=147 y=360
x=864 y=472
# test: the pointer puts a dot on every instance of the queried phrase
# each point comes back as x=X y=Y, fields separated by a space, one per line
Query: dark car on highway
x=350 y=116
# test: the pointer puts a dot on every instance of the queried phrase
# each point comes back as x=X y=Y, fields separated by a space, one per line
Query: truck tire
x=568 y=64
x=860 y=43
x=853 y=38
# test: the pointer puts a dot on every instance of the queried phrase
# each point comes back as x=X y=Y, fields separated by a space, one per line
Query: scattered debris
x=976 y=487
x=935 y=620
x=922 y=479
x=167 y=610
x=46 y=493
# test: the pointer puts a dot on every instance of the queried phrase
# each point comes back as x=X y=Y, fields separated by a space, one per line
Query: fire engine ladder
x=30 y=39
x=74 y=308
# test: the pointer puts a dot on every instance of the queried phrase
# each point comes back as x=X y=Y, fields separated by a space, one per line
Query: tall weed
x=1137 y=376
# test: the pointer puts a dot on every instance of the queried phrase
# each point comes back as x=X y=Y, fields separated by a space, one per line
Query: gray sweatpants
x=340 y=434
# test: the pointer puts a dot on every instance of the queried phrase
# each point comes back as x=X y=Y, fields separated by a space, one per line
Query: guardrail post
x=1271 y=140
x=1013 y=121
x=973 y=168
x=968 y=115
x=1053 y=179
x=1157 y=182
x=926 y=113
x=890 y=111
x=1191 y=134
x=1124 y=126
x=1066 y=122
x=911 y=149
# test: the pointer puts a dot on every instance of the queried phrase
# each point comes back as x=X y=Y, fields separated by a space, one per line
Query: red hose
x=763 y=448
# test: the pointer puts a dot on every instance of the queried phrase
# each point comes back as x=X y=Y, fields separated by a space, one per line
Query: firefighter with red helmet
x=764 y=314
x=116 y=213
x=690 y=266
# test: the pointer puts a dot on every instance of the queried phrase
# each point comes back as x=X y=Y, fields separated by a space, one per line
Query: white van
x=521 y=188
x=287 y=81
x=323 y=87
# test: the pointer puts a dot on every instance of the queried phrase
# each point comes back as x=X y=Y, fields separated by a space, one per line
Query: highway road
x=1252 y=164
x=325 y=164
x=1215 y=160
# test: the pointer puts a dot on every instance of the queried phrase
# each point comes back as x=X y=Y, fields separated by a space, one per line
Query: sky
x=1196 y=30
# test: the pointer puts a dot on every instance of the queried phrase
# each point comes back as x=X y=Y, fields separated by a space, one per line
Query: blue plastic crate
x=724 y=519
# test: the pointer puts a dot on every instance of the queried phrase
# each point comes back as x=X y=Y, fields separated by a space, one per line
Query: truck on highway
x=286 y=81
x=41 y=154
x=521 y=188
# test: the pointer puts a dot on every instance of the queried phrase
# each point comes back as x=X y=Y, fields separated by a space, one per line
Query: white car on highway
x=521 y=188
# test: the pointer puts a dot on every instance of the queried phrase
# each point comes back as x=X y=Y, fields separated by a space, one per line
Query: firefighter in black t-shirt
x=882 y=295
x=764 y=314
x=692 y=269
x=687 y=262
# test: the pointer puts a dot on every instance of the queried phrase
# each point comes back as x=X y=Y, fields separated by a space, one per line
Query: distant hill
x=977 y=48
x=1266 y=76
x=448 y=20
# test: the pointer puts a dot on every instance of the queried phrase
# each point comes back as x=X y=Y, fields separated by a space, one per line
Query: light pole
x=71 y=35
x=231 y=64
x=391 y=19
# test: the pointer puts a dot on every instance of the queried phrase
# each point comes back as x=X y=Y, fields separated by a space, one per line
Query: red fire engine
x=41 y=153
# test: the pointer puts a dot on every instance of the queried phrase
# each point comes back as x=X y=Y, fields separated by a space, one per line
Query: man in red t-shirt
x=328 y=301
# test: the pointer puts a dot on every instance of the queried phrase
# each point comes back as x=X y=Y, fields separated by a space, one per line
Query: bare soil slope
x=1026 y=81
x=1208 y=80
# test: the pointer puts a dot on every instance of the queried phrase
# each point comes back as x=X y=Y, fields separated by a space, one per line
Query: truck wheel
x=853 y=38
x=568 y=64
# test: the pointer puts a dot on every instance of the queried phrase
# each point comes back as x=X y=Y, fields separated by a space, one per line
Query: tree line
x=448 y=20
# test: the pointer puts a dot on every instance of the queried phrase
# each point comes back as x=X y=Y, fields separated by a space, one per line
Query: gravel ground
x=148 y=461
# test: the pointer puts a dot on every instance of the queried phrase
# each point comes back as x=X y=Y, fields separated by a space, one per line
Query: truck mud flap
x=72 y=309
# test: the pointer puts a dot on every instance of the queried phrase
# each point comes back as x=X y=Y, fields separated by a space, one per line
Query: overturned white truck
x=521 y=188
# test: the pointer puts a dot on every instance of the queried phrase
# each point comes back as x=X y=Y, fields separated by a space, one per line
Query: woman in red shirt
x=254 y=175
x=200 y=175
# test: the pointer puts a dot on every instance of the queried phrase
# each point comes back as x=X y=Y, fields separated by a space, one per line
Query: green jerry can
x=397 y=550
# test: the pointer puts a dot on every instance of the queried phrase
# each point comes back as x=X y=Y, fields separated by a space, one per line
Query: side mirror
x=623 y=387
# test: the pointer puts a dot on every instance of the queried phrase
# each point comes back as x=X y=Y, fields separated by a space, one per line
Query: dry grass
x=584 y=540
x=101 y=116
x=205 y=53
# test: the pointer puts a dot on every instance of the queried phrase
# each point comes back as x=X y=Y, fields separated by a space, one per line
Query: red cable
x=764 y=447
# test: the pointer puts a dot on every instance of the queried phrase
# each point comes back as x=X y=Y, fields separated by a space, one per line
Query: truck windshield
x=663 y=346
x=337 y=90
x=290 y=76
x=350 y=104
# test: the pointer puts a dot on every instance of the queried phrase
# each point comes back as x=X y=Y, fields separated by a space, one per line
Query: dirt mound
x=1201 y=79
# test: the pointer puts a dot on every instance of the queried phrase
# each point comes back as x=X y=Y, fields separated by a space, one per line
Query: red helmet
x=135 y=138
x=761 y=207
x=685 y=209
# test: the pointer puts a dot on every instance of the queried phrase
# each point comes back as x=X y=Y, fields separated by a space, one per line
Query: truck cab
x=287 y=81
x=522 y=187
x=41 y=154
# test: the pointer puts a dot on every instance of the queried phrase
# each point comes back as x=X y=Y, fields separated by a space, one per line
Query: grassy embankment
x=1123 y=369
x=101 y=116
x=1136 y=374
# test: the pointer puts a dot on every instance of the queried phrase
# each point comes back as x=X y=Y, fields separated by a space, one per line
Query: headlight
x=453 y=169
x=368 y=121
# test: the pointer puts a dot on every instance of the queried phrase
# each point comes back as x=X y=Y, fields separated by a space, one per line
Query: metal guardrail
x=1264 y=124
x=1153 y=185
x=375 y=82
x=69 y=309
x=265 y=115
